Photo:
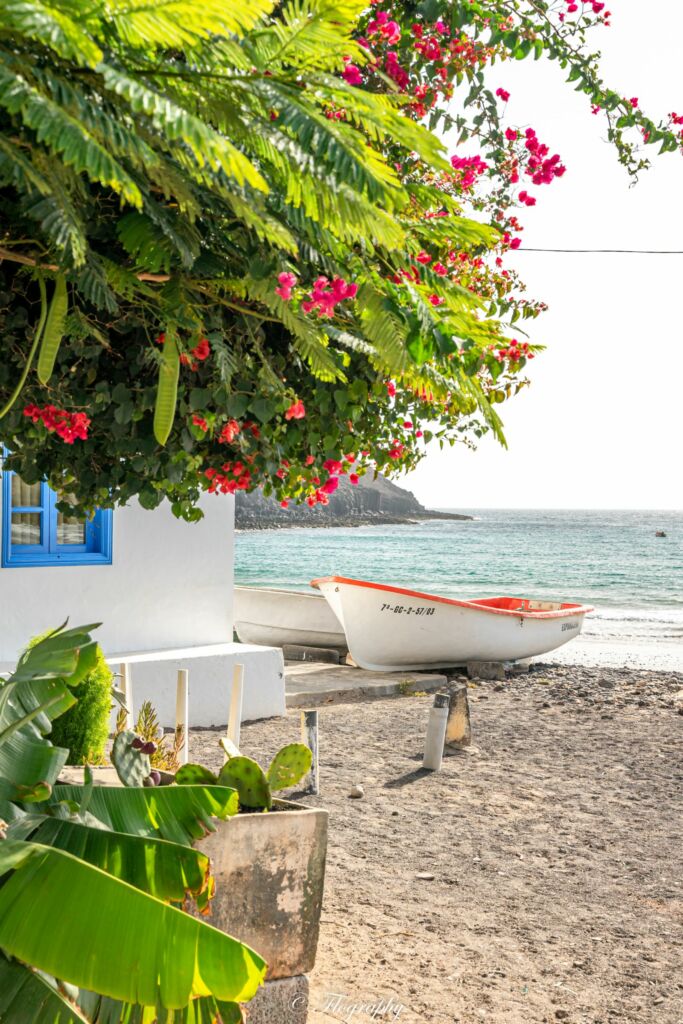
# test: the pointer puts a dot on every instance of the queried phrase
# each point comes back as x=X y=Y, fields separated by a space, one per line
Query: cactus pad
x=132 y=766
x=195 y=774
x=289 y=766
x=246 y=776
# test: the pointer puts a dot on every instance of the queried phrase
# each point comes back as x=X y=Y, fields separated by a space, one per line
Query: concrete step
x=309 y=684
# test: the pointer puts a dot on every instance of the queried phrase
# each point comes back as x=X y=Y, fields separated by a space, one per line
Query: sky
x=602 y=424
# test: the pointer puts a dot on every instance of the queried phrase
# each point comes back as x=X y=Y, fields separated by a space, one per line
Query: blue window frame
x=35 y=533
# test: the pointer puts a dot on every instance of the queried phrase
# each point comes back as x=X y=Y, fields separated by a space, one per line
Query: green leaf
x=167 y=390
x=54 y=330
x=193 y=774
x=181 y=814
x=166 y=870
x=115 y=939
x=29 y=997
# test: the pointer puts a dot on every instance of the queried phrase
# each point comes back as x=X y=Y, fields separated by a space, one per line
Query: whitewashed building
x=162 y=589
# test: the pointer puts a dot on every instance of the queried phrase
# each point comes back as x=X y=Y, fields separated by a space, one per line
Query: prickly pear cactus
x=132 y=766
x=289 y=766
x=195 y=774
x=246 y=776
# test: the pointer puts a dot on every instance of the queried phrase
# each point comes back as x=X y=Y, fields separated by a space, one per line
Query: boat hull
x=278 y=617
x=391 y=629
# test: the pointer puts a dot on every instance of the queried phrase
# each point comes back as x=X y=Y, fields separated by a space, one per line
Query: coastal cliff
x=371 y=502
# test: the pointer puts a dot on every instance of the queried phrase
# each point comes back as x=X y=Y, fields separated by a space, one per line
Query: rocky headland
x=372 y=502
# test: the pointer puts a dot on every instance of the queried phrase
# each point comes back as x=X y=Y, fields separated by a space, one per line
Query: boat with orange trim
x=390 y=628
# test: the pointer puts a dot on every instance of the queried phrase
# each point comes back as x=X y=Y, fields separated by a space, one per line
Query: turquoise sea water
x=612 y=560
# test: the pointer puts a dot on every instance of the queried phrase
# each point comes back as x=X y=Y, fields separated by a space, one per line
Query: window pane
x=26 y=528
x=24 y=495
x=70 y=530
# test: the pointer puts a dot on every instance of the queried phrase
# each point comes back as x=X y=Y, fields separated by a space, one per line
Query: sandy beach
x=535 y=879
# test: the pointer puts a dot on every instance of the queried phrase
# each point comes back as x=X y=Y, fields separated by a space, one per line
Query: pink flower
x=423 y=257
x=351 y=74
x=391 y=388
x=353 y=479
x=408 y=424
x=634 y=101
x=309 y=460
x=436 y=300
x=330 y=485
x=324 y=297
x=439 y=269
x=511 y=134
x=515 y=243
x=503 y=94
x=286 y=281
x=332 y=466
x=296 y=411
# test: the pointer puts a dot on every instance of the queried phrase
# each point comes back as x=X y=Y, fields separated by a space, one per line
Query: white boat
x=265 y=615
x=390 y=629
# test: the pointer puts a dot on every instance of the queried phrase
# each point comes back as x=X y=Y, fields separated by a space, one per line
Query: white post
x=236 y=696
x=309 y=736
x=436 y=733
x=182 y=716
x=127 y=690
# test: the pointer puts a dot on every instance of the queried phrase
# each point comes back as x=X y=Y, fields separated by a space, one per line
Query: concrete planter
x=269 y=871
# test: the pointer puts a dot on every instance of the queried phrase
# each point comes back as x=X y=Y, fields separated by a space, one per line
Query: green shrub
x=84 y=728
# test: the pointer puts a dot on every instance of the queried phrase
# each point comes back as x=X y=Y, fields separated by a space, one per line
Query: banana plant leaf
x=27 y=996
x=75 y=922
x=181 y=814
x=25 y=761
x=206 y=1010
x=66 y=654
x=162 y=869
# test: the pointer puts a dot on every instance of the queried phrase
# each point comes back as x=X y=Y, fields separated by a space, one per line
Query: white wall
x=170 y=585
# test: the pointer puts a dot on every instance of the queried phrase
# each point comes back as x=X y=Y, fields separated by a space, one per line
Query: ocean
x=609 y=559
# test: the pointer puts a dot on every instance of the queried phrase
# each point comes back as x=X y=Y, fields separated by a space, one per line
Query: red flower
x=353 y=479
x=423 y=257
x=296 y=411
x=202 y=351
x=229 y=432
x=200 y=422
x=309 y=460
x=391 y=388
x=503 y=94
x=436 y=300
x=284 y=504
x=332 y=466
x=160 y=338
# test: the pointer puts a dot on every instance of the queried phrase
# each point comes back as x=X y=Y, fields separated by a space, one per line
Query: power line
x=647 y=252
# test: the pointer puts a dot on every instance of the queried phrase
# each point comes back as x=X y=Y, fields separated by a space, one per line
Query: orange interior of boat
x=522 y=604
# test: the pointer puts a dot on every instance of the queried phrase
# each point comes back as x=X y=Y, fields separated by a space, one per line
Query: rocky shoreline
x=373 y=502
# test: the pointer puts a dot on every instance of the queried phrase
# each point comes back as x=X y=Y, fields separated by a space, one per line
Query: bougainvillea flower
x=286 y=282
x=296 y=411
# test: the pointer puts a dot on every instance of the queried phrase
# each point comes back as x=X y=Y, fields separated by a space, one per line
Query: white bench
x=204 y=686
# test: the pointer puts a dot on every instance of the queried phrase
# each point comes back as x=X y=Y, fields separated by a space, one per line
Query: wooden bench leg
x=182 y=716
x=127 y=690
x=236 y=698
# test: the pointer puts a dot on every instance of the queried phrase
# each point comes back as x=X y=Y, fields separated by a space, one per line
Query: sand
x=535 y=879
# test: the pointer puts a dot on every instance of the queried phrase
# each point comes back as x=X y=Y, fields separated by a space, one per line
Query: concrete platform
x=308 y=684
